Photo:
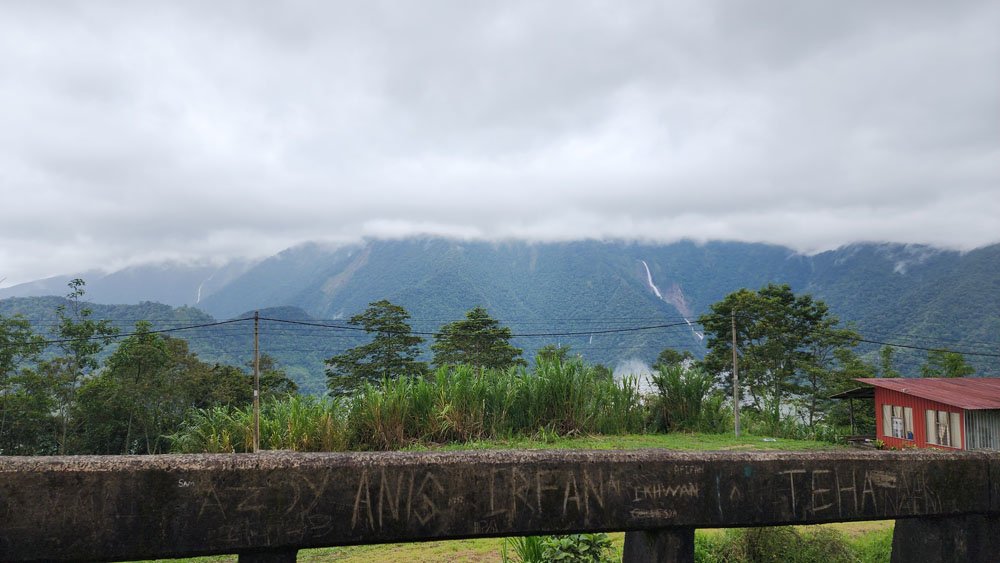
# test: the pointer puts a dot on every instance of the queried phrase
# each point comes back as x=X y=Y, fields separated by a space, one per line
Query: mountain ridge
x=575 y=291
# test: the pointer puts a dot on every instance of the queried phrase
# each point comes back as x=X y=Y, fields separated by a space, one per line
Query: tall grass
x=307 y=424
x=452 y=404
x=686 y=401
x=396 y=414
x=778 y=544
x=464 y=403
x=301 y=423
x=221 y=429
x=527 y=549
x=765 y=423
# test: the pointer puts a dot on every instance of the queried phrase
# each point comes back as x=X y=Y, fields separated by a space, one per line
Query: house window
x=944 y=428
x=897 y=422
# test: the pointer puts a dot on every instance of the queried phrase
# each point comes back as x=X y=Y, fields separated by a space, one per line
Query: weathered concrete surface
x=995 y=484
x=669 y=545
x=75 y=508
x=959 y=539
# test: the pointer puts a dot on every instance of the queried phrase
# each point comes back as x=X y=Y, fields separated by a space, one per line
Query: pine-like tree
x=391 y=353
x=477 y=340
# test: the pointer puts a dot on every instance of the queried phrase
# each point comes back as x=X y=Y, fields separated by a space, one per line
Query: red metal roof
x=963 y=392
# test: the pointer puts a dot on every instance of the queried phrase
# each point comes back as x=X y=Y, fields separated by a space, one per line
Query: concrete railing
x=267 y=506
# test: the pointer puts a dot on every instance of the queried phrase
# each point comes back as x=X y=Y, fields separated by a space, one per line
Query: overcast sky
x=137 y=131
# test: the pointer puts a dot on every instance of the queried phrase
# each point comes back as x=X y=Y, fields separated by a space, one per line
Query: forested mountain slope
x=172 y=283
x=579 y=293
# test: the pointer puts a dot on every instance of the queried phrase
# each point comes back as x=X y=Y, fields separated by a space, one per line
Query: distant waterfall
x=649 y=278
x=656 y=290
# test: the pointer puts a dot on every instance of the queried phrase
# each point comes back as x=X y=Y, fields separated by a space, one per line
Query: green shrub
x=873 y=547
x=823 y=544
x=705 y=548
x=527 y=549
x=716 y=414
x=575 y=548
x=766 y=424
x=778 y=544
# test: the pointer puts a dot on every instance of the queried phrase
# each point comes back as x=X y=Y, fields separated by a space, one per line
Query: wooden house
x=959 y=413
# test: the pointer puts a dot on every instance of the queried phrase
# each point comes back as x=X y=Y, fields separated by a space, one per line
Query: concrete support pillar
x=666 y=545
x=973 y=538
x=274 y=556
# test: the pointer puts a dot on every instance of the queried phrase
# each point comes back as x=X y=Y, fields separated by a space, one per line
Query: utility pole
x=256 y=382
x=736 y=381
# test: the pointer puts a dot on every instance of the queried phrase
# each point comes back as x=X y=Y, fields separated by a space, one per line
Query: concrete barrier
x=267 y=506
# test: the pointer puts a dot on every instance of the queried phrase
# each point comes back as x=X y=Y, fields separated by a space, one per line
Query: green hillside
x=575 y=294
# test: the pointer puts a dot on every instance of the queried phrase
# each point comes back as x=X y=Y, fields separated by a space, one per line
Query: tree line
x=478 y=340
x=792 y=355
x=70 y=402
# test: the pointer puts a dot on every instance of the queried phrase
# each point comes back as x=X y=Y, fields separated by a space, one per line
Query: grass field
x=672 y=441
x=488 y=550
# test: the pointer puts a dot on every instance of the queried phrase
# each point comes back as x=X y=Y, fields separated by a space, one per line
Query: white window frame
x=944 y=428
x=897 y=422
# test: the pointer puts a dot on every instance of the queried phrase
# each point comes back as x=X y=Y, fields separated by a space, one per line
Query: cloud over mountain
x=133 y=132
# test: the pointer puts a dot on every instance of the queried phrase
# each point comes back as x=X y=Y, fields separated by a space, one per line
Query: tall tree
x=30 y=425
x=847 y=367
x=477 y=340
x=274 y=380
x=828 y=347
x=18 y=345
x=81 y=338
x=780 y=336
x=885 y=361
x=391 y=353
x=147 y=386
x=944 y=363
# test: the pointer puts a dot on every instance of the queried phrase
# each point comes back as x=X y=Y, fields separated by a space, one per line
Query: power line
x=925 y=349
x=127 y=334
x=827 y=330
x=523 y=335
x=574 y=329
